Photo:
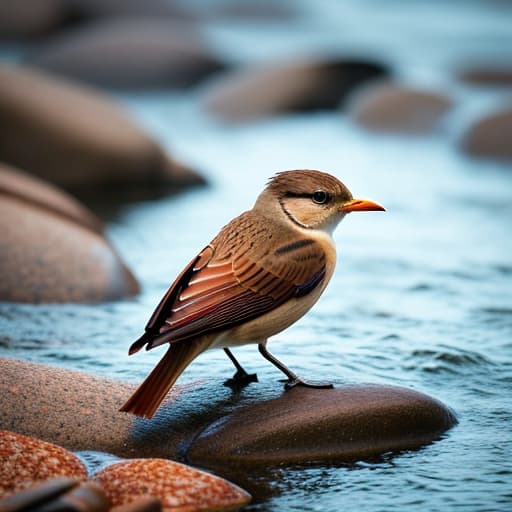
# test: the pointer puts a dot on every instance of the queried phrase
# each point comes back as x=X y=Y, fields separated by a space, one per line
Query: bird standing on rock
x=260 y=274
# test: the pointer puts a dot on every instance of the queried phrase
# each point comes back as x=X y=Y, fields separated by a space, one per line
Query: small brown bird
x=260 y=274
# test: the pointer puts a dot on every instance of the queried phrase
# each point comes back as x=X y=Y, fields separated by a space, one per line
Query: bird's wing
x=233 y=280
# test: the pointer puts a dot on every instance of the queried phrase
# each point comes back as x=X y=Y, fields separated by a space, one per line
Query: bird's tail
x=149 y=395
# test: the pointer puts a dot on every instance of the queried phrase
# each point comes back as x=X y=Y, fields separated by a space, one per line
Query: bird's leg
x=293 y=379
x=241 y=377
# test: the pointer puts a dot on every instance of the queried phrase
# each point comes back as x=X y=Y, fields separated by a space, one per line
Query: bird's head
x=311 y=199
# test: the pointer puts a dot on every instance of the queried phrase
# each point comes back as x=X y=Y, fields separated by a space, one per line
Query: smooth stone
x=177 y=486
x=490 y=136
x=46 y=256
x=487 y=75
x=338 y=425
x=129 y=53
x=29 y=18
x=40 y=194
x=25 y=460
x=223 y=433
x=296 y=85
x=86 y=415
x=396 y=108
x=87 y=141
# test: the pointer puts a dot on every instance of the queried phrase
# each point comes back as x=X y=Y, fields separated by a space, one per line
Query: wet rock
x=179 y=487
x=306 y=84
x=40 y=194
x=225 y=432
x=25 y=460
x=304 y=425
x=49 y=253
x=490 y=136
x=389 y=107
x=488 y=75
x=85 y=416
x=130 y=53
x=26 y=18
x=87 y=141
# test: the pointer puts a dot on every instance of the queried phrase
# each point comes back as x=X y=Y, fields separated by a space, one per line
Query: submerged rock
x=308 y=425
x=130 y=53
x=490 y=136
x=25 y=461
x=296 y=85
x=177 y=486
x=76 y=137
x=52 y=248
x=389 y=107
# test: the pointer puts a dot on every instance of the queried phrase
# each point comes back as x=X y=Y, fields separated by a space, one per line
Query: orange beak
x=361 y=205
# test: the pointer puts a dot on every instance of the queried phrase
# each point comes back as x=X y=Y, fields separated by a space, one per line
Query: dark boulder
x=76 y=137
x=129 y=53
x=289 y=86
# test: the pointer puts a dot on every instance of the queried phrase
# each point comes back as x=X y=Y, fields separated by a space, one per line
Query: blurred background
x=130 y=132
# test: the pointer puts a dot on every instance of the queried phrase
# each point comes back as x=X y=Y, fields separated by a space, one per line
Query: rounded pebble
x=490 y=136
x=25 y=460
x=179 y=487
x=395 y=108
x=290 y=86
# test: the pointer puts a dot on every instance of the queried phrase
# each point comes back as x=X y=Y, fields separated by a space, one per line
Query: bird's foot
x=297 y=381
x=240 y=380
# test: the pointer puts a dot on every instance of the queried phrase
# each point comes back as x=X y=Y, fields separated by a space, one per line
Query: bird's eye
x=320 y=197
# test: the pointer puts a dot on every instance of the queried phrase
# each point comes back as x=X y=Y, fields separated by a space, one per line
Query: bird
x=263 y=271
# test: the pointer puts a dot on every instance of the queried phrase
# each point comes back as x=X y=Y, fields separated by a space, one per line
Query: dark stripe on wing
x=298 y=244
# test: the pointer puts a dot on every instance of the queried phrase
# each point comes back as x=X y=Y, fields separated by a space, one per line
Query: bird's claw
x=297 y=381
x=240 y=380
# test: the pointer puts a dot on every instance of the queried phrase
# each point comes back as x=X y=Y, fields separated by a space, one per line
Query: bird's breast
x=278 y=319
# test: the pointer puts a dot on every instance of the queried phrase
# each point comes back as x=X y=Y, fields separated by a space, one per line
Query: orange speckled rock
x=180 y=488
x=25 y=460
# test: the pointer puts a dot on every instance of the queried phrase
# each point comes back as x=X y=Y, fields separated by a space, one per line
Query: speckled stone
x=295 y=85
x=25 y=460
x=46 y=257
x=40 y=194
x=180 y=488
x=86 y=414
x=396 y=108
x=490 y=136
x=310 y=425
x=129 y=53
x=88 y=141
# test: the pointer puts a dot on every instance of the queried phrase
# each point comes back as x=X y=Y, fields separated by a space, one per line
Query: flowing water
x=422 y=294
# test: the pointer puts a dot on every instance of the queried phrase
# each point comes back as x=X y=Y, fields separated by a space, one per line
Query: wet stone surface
x=302 y=425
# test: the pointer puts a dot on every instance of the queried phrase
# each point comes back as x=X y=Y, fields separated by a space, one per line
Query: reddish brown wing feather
x=219 y=290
